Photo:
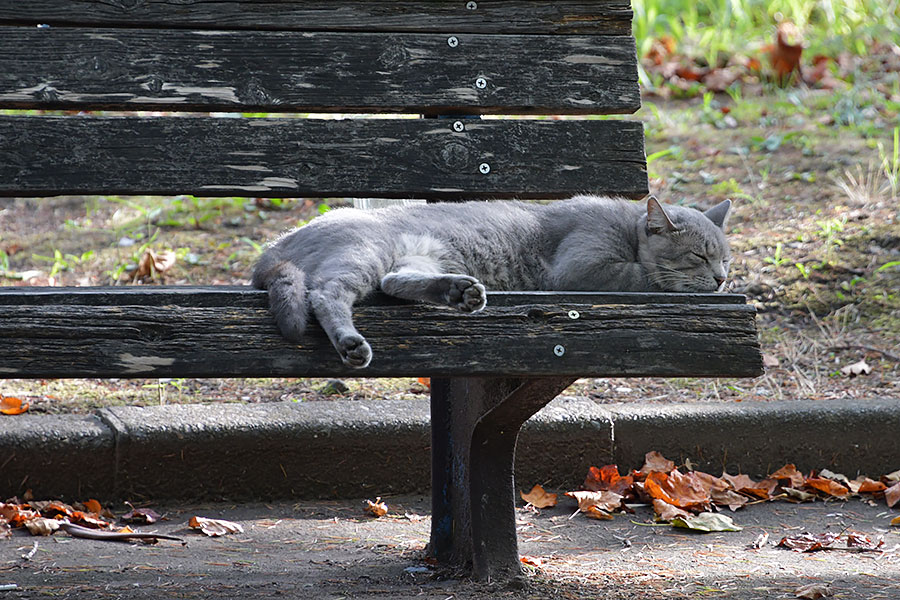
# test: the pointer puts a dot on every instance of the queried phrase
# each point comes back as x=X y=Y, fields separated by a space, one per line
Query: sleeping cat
x=448 y=254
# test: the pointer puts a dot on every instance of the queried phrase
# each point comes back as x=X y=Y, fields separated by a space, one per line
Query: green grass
x=716 y=29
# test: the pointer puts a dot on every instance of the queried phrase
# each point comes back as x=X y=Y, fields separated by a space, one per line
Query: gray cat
x=447 y=254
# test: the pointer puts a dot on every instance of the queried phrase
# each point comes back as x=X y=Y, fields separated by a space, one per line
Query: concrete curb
x=355 y=449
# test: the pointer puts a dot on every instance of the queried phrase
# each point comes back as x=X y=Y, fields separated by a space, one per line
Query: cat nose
x=719 y=281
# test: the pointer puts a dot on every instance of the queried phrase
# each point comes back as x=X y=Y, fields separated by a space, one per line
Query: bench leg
x=475 y=424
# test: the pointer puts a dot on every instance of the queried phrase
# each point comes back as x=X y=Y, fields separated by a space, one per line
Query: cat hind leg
x=458 y=291
x=333 y=310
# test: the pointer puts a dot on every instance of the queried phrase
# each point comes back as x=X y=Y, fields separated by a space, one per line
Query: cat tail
x=287 y=294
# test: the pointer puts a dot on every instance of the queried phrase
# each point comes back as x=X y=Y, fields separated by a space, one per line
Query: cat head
x=683 y=249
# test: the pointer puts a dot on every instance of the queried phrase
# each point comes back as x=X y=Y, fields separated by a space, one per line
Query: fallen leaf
x=677 y=489
x=728 y=498
x=739 y=482
x=606 y=501
x=377 y=508
x=770 y=361
x=863 y=542
x=426 y=381
x=828 y=486
x=813 y=591
x=761 y=489
x=539 y=498
x=809 y=542
x=215 y=527
x=146 y=516
x=597 y=513
x=706 y=521
x=864 y=485
x=667 y=512
x=534 y=561
x=798 y=494
x=895 y=522
x=152 y=263
x=93 y=506
x=41 y=526
x=857 y=368
x=892 y=495
x=607 y=477
x=760 y=541
x=891 y=478
x=654 y=461
x=790 y=473
x=12 y=406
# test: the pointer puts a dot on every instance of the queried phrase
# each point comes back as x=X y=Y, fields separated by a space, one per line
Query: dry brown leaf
x=790 y=473
x=863 y=542
x=770 y=361
x=895 y=522
x=667 y=512
x=828 y=486
x=892 y=495
x=809 y=542
x=152 y=263
x=857 y=368
x=539 y=498
x=41 y=526
x=813 y=591
x=864 y=485
x=739 y=482
x=377 y=508
x=762 y=489
x=215 y=527
x=93 y=506
x=145 y=516
x=607 y=478
x=606 y=501
x=534 y=561
x=12 y=406
x=596 y=513
x=677 y=489
x=656 y=462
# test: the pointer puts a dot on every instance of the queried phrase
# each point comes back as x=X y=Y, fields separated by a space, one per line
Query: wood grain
x=404 y=158
x=168 y=337
x=490 y=16
x=132 y=69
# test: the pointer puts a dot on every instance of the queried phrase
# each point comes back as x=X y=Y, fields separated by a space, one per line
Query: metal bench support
x=475 y=424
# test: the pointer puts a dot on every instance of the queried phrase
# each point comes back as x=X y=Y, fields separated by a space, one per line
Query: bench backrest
x=131 y=59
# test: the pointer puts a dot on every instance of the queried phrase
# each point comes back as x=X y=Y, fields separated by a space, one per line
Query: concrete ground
x=332 y=550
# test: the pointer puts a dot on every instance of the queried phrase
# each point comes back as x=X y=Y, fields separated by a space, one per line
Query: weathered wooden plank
x=245 y=296
x=130 y=69
x=489 y=16
x=180 y=339
x=424 y=158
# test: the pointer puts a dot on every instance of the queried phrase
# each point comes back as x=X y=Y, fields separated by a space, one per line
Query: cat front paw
x=467 y=294
x=355 y=351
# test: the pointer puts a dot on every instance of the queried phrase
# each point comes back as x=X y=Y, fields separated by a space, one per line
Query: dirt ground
x=330 y=550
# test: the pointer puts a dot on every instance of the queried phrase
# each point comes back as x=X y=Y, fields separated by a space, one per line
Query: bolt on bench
x=490 y=371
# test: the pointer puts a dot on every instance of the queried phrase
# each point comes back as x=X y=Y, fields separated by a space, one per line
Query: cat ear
x=718 y=214
x=657 y=219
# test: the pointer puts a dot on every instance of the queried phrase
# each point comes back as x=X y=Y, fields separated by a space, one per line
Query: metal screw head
x=453 y=41
x=574 y=314
x=458 y=126
x=481 y=83
x=559 y=350
x=471 y=5
x=484 y=168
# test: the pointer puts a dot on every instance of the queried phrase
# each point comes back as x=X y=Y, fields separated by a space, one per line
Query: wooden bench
x=490 y=371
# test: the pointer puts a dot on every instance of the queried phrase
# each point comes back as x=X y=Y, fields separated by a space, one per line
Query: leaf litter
x=692 y=499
